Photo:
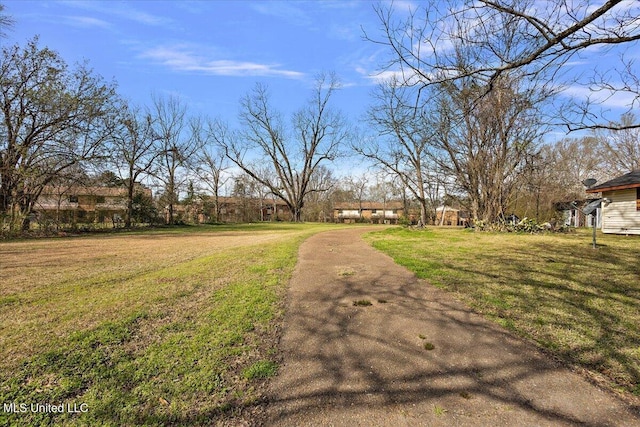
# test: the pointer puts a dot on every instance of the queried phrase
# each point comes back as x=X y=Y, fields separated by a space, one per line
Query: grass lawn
x=168 y=327
x=579 y=303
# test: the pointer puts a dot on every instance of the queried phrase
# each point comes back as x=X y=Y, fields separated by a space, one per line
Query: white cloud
x=183 y=58
x=120 y=10
x=87 y=22
x=403 y=76
x=604 y=98
x=283 y=10
x=404 y=6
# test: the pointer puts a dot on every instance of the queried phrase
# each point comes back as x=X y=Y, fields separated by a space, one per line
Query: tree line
x=466 y=123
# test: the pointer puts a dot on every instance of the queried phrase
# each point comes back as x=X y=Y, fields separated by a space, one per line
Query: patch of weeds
x=382 y=301
x=465 y=394
x=439 y=411
x=8 y=300
x=505 y=323
x=346 y=272
x=429 y=346
x=362 y=303
x=422 y=337
x=260 y=369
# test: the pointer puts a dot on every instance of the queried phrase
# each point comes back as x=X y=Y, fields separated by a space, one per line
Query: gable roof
x=626 y=181
x=79 y=190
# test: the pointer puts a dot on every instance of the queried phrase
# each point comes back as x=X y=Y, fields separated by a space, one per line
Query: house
x=238 y=209
x=79 y=204
x=573 y=213
x=373 y=212
x=620 y=203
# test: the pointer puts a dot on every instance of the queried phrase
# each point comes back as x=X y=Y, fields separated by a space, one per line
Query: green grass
x=260 y=369
x=165 y=327
x=579 y=303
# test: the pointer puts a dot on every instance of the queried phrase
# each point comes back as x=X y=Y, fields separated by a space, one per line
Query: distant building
x=373 y=212
x=452 y=216
x=573 y=215
x=232 y=209
x=83 y=205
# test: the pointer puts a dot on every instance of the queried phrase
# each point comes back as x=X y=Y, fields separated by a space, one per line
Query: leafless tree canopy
x=621 y=148
x=405 y=142
x=134 y=150
x=293 y=155
x=482 y=143
x=535 y=40
x=211 y=166
x=178 y=140
x=6 y=22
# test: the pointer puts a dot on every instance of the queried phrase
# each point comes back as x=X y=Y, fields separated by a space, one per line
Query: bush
x=526 y=225
x=404 y=221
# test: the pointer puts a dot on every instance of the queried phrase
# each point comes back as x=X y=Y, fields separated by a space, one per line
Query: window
x=373 y=211
x=73 y=199
x=638 y=199
x=100 y=199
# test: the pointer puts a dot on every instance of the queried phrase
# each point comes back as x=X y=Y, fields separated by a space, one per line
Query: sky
x=212 y=53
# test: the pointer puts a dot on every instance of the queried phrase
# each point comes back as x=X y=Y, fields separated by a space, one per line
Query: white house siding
x=387 y=214
x=621 y=216
x=346 y=213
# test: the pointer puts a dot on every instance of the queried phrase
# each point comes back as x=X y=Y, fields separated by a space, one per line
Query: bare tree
x=484 y=142
x=555 y=173
x=6 y=22
x=52 y=119
x=318 y=202
x=537 y=40
x=358 y=187
x=134 y=152
x=404 y=142
x=178 y=143
x=211 y=167
x=621 y=147
x=316 y=135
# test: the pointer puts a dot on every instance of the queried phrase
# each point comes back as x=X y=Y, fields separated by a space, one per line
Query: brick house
x=83 y=205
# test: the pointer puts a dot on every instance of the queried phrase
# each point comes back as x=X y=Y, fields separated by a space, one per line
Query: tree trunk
x=127 y=220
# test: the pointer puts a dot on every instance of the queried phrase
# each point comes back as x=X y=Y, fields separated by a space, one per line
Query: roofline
x=615 y=187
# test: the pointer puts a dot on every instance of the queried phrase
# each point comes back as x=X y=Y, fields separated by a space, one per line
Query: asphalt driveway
x=415 y=356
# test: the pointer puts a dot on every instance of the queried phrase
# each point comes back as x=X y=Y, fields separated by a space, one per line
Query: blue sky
x=211 y=53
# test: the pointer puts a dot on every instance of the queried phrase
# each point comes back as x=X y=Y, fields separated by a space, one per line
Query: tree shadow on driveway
x=345 y=364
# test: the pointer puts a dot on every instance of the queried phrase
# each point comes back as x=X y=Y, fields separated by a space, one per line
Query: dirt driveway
x=348 y=365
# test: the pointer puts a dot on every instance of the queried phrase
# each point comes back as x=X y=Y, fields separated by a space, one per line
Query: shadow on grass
x=581 y=304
